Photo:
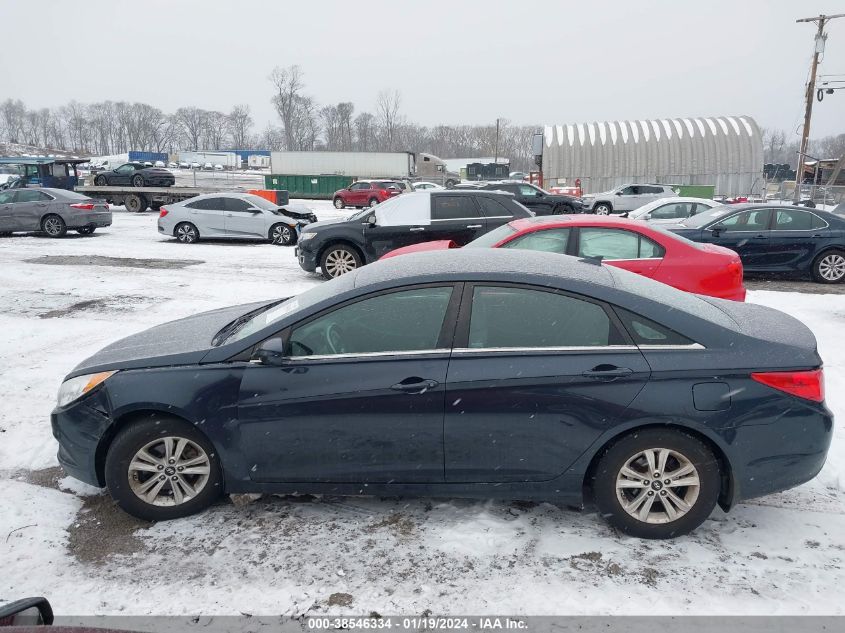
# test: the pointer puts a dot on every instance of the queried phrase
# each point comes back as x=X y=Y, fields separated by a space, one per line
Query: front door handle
x=474 y=226
x=607 y=372
x=760 y=236
x=415 y=385
x=417 y=228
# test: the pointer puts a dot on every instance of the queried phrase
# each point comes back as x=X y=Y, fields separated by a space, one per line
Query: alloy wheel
x=186 y=233
x=169 y=471
x=657 y=485
x=832 y=267
x=281 y=235
x=339 y=262
x=338 y=203
x=602 y=209
x=53 y=226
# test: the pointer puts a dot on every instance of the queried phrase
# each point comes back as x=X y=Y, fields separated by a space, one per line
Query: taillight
x=804 y=384
x=163 y=212
x=85 y=206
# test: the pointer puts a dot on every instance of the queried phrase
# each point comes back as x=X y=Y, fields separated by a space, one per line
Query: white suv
x=626 y=198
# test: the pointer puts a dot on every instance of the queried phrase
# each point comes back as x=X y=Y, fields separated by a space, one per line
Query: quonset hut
x=725 y=151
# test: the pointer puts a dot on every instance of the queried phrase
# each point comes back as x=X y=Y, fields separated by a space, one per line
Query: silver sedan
x=51 y=211
x=235 y=216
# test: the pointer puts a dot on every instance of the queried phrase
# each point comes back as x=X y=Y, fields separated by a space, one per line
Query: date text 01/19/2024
x=417 y=623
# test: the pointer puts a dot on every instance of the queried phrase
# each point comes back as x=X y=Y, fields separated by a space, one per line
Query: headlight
x=75 y=388
x=306 y=236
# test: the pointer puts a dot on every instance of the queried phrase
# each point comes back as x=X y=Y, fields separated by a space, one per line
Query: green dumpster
x=697 y=191
x=311 y=187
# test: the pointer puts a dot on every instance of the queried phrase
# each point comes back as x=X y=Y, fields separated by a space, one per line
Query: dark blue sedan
x=507 y=374
x=774 y=239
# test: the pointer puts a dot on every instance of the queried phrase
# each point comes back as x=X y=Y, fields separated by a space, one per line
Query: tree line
x=778 y=150
x=116 y=127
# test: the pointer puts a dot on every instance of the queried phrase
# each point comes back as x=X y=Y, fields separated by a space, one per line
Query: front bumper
x=307 y=259
x=79 y=428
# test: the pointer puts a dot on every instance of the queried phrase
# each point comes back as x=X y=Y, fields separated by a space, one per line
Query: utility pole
x=821 y=37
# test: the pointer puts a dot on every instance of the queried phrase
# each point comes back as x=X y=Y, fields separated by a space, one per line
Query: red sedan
x=630 y=244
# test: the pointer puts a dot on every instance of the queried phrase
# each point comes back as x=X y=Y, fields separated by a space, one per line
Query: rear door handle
x=607 y=372
x=474 y=226
x=417 y=228
x=761 y=237
x=415 y=385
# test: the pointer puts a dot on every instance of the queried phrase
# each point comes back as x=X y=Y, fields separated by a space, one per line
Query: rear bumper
x=96 y=220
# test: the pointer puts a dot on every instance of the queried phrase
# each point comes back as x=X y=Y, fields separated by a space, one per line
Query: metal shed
x=724 y=151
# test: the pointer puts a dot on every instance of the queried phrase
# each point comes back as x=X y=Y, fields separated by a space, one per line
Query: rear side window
x=453 y=208
x=548 y=241
x=491 y=208
x=505 y=317
x=791 y=220
x=647 y=332
x=32 y=195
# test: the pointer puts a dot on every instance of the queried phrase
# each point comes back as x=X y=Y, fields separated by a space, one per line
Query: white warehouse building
x=724 y=151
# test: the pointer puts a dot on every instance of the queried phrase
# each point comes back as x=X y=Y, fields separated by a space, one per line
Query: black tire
x=339 y=203
x=135 y=203
x=603 y=208
x=562 y=209
x=282 y=235
x=186 y=233
x=53 y=225
x=338 y=260
x=5 y=234
x=86 y=230
x=372 y=202
x=138 y=181
x=156 y=206
x=624 y=451
x=120 y=480
x=829 y=267
x=100 y=181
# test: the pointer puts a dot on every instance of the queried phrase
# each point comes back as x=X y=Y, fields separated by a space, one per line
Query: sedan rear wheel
x=186 y=233
x=657 y=483
x=829 y=267
x=339 y=260
x=339 y=203
x=53 y=226
x=100 y=181
x=373 y=202
x=162 y=468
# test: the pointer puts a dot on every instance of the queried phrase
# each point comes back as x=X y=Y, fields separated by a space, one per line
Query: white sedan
x=670 y=210
x=426 y=186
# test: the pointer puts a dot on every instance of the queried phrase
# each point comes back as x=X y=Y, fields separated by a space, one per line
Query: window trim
x=460 y=342
x=576 y=244
x=445 y=339
x=571 y=240
x=733 y=215
x=774 y=221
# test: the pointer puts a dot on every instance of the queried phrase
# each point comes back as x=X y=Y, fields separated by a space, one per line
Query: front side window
x=235 y=204
x=453 y=208
x=753 y=220
x=616 y=244
x=525 y=190
x=547 y=241
x=125 y=169
x=404 y=321
x=7 y=196
x=504 y=317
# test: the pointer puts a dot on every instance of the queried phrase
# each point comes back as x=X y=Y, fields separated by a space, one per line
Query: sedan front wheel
x=282 y=235
x=656 y=483
x=162 y=468
x=339 y=260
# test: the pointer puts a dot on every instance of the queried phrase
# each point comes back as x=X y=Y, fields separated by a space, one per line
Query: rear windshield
x=697 y=221
x=493 y=237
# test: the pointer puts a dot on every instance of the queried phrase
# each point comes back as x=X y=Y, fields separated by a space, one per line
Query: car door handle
x=474 y=226
x=415 y=385
x=228 y=215
x=607 y=372
x=818 y=235
x=761 y=237
x=417 y=228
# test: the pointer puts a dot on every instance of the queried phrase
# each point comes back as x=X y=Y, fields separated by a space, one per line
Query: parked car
x=626 y=198
x=629 y=244
x=774 y=239
x=51 y=211
x=173 y=165
x=339 y=246
x=566 y=190
x=426 y=186
x=232 y=216
x=137 y=175
x=148 y=163
x=196 y=166
x=365 y=193
x=565 y=383
x=539 y=201
x=207 y=167
x=671 y=210
x=159 y=163
x=218 y=167
x=517 y=175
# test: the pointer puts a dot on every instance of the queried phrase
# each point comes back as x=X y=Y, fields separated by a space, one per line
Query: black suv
x=539 y=201
x=338 y=246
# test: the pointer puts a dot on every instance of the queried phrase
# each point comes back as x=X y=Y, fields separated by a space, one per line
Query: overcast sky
x=453 y=62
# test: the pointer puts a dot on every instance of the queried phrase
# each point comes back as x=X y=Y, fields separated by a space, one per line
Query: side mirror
x=271 y=352
x=718 y=228
x=254 y=210
x=370 y=220
x=618 y=193
x=26 y=612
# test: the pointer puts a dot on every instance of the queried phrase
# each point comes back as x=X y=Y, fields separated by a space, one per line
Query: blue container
x=147 y=157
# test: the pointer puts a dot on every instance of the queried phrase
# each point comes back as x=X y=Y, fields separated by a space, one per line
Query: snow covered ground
x=783 y=554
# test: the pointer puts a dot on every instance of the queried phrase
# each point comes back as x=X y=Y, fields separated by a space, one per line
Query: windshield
x=493 y=237
x=261 y=203
x=702 y=219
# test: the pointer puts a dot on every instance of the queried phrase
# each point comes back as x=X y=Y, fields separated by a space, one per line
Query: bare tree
x=331 y=126
x=365 y=132
x=344 y=120
x=288 y=83
x=192 y=121
x=387 y=111
x=216 y=127
x=239 y=124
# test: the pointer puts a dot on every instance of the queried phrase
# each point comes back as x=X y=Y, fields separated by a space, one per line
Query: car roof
x=523 y=224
